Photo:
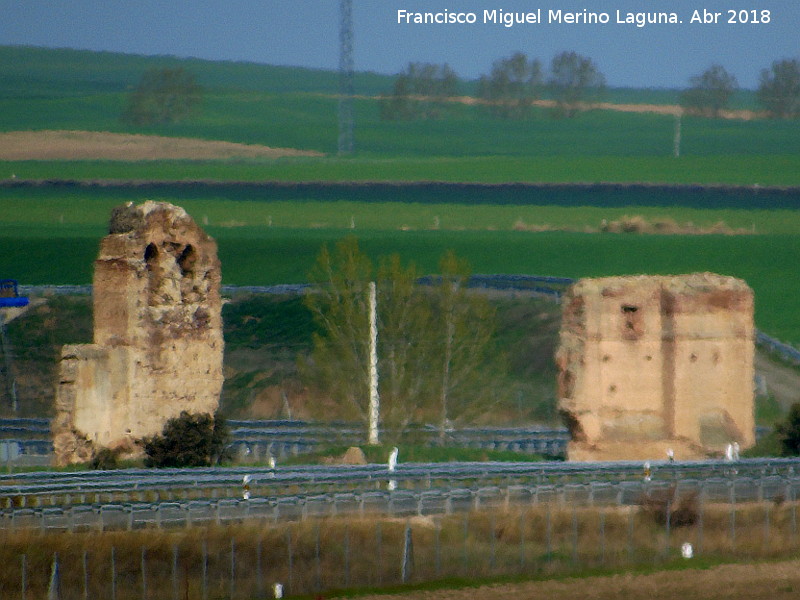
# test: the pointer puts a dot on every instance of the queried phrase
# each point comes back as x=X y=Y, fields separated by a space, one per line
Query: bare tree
x=512 y=87
x=575 y=83
x=420 y=92
x=709 y=92
x=434 y=345
x=779 y=89
x=465 y=365
x=163 y=96
x=339 y=361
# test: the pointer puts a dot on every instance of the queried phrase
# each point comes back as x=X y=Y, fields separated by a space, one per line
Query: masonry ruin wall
x=651 y=363
x=158 y=342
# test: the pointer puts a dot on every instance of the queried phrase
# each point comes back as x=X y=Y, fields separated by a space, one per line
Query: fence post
x=766 y=525
x=346 y=556
x=630 y=534
x=24 y=581
x=379 y=548
x=667 y=526
x=259 y=577
x=492 y=554
x=438 y=548
x=602 y=536
x=701 y=517
x=407 y=570
x=521 y=540
x=174 y=572
x=143 y=567
x=793 y=499
x=113 y=573
x=732 y=502
x=204 y=567
x=54 y=589
x=465 y=555
x=233 y=568
x=85 y=575
x=549 y=533
x=317 y=559
x=290 y=561
x=574 y=535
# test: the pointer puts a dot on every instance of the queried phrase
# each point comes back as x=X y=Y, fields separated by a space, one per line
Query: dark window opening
x=186 y=260
x=150 y=254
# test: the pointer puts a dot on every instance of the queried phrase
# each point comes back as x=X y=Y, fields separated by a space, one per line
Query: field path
x=771 y=581
x=96 y=145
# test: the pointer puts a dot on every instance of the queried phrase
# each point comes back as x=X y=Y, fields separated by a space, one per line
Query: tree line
x=509 y=91
x=573 y=83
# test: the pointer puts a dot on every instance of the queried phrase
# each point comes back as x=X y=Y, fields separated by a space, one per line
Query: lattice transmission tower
x=346 y=77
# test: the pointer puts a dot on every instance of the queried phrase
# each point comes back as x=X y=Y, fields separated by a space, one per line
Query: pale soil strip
x=661 y=109
x=96 y=145
x=773 y=581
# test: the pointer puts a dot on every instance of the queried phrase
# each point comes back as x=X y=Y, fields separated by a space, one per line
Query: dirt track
x=775 y=581
x=99 y=145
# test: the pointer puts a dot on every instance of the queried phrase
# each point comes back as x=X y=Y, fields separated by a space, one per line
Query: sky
x=306 y=33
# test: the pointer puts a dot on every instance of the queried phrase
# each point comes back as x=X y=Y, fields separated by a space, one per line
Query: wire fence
x=547 y=530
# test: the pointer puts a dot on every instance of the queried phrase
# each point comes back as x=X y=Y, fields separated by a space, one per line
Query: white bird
x=393 y=459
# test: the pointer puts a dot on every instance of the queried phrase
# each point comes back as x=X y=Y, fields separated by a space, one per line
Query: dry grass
x=94 y=145
x=666 y=225
x=540 y=541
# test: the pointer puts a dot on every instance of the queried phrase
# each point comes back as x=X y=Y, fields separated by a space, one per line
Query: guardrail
x=397 y=503
x=37 y=489
x=254 y=441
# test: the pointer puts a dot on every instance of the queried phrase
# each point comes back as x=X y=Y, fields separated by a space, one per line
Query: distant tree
x=420 y=92
x=465 y=364
x=339 y=304
x=788 y=432
x=162 y=96
x=339 y=362
x=190 y=440
x=710 y=92
x=433 y=344
x=779 y=89
x=512 y=86
x=575 y=82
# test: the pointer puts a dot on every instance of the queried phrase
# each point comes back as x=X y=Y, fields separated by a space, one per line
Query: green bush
x=789 y=432
x=190 y=440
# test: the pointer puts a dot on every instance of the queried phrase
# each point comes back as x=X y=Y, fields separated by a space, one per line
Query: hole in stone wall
x=150 y=255
x=186 y=260
x=632 y=325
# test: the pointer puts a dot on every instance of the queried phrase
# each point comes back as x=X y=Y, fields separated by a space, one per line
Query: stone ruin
x=158 y=342
x=652 y=363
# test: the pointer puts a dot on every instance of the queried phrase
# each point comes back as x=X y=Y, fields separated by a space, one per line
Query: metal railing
x=109 y=515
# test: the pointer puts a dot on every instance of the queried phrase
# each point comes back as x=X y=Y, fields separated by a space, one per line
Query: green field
x=49 y=234
x=284 y=107
x=261 y=255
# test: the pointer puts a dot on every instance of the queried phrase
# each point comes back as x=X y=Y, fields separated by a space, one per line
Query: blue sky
x=306 y=33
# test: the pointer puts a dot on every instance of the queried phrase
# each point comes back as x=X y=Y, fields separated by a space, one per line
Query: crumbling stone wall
x=649 y=363
x=158 y=342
